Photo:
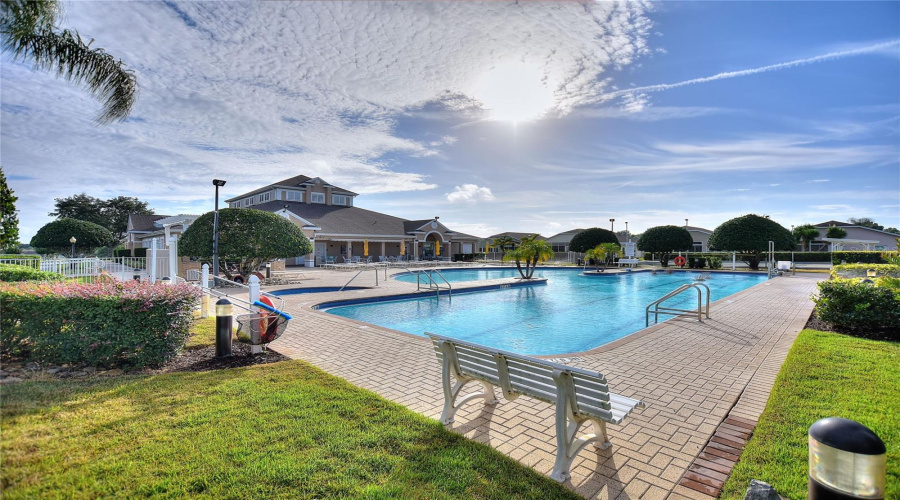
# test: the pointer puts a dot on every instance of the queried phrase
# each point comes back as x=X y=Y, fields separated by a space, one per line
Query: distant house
x=701 y=238
x=858 y=238
x=143 y=229
x=327 y=215
x=560 y=241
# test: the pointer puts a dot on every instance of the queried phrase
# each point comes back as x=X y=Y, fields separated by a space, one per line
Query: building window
x=293 y=195
x=558 y=247
x=264 y=197
x=338 y=199
x=317 y=197
x=698 y=246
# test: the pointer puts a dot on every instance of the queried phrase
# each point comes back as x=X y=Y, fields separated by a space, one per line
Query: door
x=321 y=252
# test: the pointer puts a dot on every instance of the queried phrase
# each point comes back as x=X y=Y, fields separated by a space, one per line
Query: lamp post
x=685 y=223
x=626 y=232
x=612 y=225
x=217 y=183
x=72 y=240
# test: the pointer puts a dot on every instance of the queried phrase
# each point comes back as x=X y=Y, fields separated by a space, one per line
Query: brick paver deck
x=690 y=375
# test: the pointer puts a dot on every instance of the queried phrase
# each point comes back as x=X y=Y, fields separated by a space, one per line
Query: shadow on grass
x=284 y=429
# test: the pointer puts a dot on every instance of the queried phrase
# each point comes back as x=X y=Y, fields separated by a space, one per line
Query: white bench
x=628 y=262
x=579 y=395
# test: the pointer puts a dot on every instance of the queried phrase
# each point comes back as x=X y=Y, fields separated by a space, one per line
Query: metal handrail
x=242 y=285
x=675 y=311
x=357 y=274
x=431 y=282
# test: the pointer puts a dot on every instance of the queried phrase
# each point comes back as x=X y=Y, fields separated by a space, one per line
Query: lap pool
x=570 y=313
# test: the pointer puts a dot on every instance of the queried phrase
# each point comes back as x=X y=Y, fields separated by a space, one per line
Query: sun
x=514 y=92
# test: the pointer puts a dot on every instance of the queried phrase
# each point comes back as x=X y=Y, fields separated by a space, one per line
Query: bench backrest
x=518 y=374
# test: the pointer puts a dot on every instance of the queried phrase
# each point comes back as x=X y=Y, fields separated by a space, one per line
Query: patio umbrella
x=402 y=248
x=437 y=248
x=366 y=248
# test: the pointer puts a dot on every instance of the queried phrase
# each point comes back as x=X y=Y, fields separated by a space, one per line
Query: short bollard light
x=846 y=461
x=871 y=273
x=223 y=328
x=166 y=280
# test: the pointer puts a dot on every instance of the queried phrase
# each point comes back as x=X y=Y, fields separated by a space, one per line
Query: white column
x=204 y=285
x=382 y=249
x=152 y=266
x=733 y=261
x=173 y=258
x=253 y=283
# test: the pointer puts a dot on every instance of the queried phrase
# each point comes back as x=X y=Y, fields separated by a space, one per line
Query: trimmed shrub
x=12 y=272
x=590 y=238
x=714 y=262
x=859 y=270
x=54 y=236
x=861 y=257
x=804 y=256
x=109 y=324
x=750 y=235
x=855 y=306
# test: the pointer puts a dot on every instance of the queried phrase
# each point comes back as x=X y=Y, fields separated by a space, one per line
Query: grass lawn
x=825 y=375
x=277 y=430
x=203 y=333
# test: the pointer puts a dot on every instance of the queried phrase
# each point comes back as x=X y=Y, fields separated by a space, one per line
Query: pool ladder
x=432 y=284
x=657 y=309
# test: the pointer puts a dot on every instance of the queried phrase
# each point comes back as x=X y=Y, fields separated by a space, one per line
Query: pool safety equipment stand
x=262 y=328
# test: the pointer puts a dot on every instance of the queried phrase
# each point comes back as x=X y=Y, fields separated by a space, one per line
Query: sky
x=495 y=116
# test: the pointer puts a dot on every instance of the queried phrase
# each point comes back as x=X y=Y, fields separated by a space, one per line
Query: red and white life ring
x=680 y=261
x=264 y=323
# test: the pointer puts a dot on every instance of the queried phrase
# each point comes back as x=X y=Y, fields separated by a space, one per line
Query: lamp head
x=72 y=240
x=218 y=182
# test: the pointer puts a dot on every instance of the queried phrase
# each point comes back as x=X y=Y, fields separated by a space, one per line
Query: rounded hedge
x=751 y=233
x=54 y=236
x=665 y=239
x=590 y=238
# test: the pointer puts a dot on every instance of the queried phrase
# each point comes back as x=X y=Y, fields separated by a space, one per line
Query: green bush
x=12 y=272
x=804 y=256
x=750 y=235
x=590 y=238
x=861 y=257
x=54 y=236
x=855 y=306
x=860 y=270
x=714 y=262
x=108 y=324
x=24 y=260
x=695 y=262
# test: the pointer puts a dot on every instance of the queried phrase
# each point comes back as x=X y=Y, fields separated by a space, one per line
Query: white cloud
x=817 y=181
x=469 y=193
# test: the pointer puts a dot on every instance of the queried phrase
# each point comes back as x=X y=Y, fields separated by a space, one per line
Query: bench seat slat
x=475 y=371
x=597 y=384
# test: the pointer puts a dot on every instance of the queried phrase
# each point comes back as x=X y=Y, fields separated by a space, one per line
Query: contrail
x=763 y=69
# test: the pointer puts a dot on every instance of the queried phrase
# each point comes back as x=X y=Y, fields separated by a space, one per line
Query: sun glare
x=514 y=92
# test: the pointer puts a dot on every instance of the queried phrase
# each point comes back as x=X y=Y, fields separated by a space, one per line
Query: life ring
x=264 y=335
x=680 y=261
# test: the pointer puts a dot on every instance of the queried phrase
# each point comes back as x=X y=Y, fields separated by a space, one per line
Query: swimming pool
x=570 y=313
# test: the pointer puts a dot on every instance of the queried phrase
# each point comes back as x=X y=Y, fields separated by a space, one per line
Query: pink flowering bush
x=108 y=324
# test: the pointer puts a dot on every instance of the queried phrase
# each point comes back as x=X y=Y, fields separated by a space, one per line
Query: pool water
x=570 y=313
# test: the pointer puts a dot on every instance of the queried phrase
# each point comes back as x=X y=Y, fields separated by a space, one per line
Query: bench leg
x=568 y=445
x=451 y=405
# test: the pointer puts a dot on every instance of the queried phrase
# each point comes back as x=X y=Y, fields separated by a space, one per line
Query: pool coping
x=505 y=283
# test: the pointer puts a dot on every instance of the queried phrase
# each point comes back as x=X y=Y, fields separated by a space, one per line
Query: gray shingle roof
x=294 y=181
x=141 y=222
x=337 y=219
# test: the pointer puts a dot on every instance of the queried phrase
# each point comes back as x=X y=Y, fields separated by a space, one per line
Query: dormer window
x=293 y=195
x=317 y=198
x=338 y=199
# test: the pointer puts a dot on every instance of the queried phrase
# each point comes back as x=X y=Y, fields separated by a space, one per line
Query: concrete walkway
x=690 y=375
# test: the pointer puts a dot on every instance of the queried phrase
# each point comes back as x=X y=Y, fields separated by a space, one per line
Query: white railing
x=35 y=263
x=73 y=268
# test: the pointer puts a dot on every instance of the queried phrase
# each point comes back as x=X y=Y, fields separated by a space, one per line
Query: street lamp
x=626 y=232
x=217 y=183
x=612 y=225
x=72 y=240
x=685 y=223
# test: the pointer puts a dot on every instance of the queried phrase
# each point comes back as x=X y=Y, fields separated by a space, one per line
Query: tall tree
x=590 y=238
x=504 y=243
x=9 y=218
x=55 y=236
x=865 y=222
x=111 y=214
x=750 y=234
x=664 y=240
x=28 y=31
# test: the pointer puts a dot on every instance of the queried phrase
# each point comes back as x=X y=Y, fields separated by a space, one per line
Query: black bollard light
x=846 y=461
x=223 y=328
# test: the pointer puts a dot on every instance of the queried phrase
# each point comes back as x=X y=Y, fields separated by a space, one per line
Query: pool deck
x=691 y=375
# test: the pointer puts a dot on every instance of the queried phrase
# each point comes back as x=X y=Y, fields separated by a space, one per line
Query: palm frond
x=71 y=58
x=27 y=31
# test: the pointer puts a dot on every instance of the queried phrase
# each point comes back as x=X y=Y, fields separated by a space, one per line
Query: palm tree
x=503 y=243
x=28 y=31
x=806 y=234
x=604 y=252
x=531 y=250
